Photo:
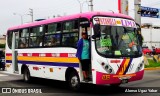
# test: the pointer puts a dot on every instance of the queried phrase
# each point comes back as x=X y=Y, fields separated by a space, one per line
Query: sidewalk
x=6 y=72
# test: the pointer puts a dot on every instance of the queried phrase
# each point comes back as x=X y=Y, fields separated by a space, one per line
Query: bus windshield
x=118 y=41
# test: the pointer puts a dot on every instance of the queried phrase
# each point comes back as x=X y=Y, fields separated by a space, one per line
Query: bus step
x=86 y=81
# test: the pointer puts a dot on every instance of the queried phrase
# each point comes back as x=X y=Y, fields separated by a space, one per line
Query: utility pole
x=137 y=7
x=123 y=6
x=81 y=5
x=31 y=13
x=91 y=5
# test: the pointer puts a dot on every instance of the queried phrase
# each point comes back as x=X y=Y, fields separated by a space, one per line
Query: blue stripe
x=128 y=66
x=47 y=63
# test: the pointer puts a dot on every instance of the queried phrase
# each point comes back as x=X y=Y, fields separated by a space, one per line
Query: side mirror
x=140 y=37
x=97 y=31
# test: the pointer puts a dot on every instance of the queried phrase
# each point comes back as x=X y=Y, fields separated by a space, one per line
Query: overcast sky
x=44 y=9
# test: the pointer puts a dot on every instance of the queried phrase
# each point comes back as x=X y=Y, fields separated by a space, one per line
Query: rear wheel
x=26 y=75
x=74 y=82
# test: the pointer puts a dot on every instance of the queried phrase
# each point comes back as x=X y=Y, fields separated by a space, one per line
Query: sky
x=13 y=10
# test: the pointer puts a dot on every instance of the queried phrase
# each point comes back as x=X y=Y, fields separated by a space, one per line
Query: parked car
x=157 y=50
x=2 y=60
x=146 y=50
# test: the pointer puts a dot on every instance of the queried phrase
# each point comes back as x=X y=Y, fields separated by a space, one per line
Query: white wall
x=151 y=35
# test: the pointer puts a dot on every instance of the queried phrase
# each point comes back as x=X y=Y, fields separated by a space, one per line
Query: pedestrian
x=83 y=54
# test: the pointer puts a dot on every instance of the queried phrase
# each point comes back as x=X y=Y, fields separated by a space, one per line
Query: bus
x=47 y=49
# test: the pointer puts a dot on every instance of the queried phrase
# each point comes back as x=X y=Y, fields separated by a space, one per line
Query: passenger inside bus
x=39 y=41
x=53 y=42
x=21 y=44
x=31 y=44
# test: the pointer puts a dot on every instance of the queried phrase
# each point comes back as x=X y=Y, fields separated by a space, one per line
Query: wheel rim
x=74 y=81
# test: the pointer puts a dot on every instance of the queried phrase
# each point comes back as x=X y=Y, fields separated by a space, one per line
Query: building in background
x=2 y=39
x=151 y=35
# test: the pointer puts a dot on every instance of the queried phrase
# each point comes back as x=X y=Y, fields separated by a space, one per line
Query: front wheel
x=26 y=75
x=74 y=82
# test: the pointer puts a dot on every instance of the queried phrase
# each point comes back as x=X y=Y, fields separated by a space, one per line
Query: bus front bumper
x=103 y=78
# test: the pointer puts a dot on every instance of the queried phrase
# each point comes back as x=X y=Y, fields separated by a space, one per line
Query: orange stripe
x=123 y=66
x=125 y=75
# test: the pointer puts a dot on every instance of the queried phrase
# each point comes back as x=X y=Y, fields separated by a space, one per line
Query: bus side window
x=36 y=34
x=52 y=34
x=70 y=33
x=21 y=44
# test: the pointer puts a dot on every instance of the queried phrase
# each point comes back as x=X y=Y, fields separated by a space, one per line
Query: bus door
x=14 y=51
x=85 y=27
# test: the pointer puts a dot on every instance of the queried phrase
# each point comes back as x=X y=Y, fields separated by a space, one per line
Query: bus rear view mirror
x=140 y=37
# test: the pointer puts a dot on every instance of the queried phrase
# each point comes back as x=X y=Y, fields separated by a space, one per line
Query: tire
x=26 y=75
x=74 y=82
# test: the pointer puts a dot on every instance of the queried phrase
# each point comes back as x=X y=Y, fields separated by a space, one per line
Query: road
x=151 y=80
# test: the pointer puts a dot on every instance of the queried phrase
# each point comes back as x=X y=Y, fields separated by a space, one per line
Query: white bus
x=46 y=49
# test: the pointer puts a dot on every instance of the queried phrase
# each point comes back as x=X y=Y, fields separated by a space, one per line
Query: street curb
x=156 y=68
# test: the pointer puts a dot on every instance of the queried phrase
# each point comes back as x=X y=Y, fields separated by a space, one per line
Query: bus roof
x=63 y=18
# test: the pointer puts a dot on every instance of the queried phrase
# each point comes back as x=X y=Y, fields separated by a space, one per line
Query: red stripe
x=35 y=54
x=119 y=6
x=8 y=54
x=25 y=54
x=48 y=54
x=121 y=66
x=63 y=54
x=35 y=68
x=115 y=61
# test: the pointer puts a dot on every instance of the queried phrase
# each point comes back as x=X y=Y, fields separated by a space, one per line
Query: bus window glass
x=17 y=39
x=35 y=41
x=24 y=33
x=52 y=35
x=37 y=31
x=52 y=28
x=23 y=38
x=70 y=26
x=36 y=37
x=70 y=33
x=9 y=39
x=70 y=39
x=118 y=39
x=52 y=40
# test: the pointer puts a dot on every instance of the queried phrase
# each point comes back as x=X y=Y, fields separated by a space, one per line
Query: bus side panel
x=49 y=64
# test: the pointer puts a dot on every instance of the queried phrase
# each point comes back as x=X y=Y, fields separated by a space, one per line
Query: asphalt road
x=151 y=81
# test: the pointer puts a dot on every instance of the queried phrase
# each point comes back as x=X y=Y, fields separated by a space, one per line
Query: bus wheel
x=74 y=82
x=26 y=75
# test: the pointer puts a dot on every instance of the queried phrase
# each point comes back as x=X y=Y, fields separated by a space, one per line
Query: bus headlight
x=140 y=66
x=109 y=69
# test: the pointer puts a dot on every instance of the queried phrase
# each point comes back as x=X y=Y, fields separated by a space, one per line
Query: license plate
x=123 y=81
